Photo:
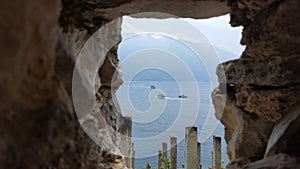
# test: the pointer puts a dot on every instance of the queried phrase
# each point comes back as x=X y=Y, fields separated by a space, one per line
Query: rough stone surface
x=284 y=137
x=241 y=130
x=270 y=104
x=28 y=54
x=196 y=9
x=271 y=71
x=39 y=128
x=260 y=91
x=36 y=125
x=278 y=161
x=270 y=27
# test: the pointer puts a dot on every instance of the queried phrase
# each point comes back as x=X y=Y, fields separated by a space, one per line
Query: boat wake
x=164 y=97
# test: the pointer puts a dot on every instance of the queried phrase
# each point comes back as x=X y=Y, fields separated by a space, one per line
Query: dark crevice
x=268 y=88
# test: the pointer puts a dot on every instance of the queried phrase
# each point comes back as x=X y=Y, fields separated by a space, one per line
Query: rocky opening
x=41 y=40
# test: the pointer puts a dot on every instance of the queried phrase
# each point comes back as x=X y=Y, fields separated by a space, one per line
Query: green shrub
x=166 y=162
x=148 y=166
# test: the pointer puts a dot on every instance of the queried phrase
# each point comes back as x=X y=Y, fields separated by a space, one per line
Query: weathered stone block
x=272 y=71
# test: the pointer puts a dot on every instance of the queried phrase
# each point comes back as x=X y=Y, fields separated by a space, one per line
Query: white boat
x=161 y=96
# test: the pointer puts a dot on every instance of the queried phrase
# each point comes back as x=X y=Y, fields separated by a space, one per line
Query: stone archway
x=40 y=41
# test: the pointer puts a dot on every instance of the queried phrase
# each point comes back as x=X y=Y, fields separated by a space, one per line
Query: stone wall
x=262 y=96
x=41 y=40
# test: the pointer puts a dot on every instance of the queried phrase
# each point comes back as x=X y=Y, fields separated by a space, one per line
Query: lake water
x=155 y=119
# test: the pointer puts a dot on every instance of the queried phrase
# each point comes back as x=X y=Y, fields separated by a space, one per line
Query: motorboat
x=182 y=96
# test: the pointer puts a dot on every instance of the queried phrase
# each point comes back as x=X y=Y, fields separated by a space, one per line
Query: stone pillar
x=217 y=152
x=133 y=160
x=173 y=152
x=165 y=150
x=199 y=155
x=125 y=140
x=126 y=144
x=132 y=156
x=212 y=159
x=191 y=147
x=158 y=159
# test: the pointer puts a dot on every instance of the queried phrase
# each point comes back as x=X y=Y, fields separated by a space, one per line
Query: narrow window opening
x=168 y=82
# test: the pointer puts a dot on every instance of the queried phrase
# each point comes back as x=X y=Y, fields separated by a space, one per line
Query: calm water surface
x=155 y=120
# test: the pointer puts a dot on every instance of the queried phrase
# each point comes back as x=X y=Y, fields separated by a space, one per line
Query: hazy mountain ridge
x=191 y=62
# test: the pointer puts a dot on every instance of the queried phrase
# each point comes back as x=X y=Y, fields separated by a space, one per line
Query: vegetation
x=223 y=164
x=166 y=163
x=148 y=166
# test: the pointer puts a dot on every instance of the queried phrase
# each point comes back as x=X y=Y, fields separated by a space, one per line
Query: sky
x=220 y=33
x=217 y=30
x=184 y=40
